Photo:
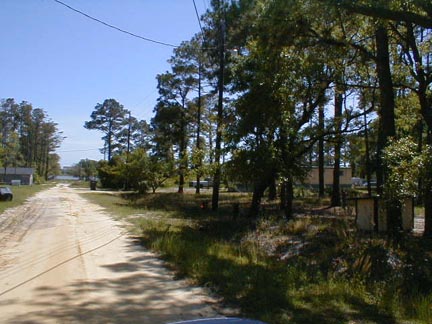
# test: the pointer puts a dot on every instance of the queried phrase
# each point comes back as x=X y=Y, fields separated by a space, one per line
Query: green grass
x=340 y=276
x=78 y=183
x=113 y=201
x=21 y=193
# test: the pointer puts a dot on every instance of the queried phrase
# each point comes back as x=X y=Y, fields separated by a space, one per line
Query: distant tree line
x=268 y=89
x=28 y=138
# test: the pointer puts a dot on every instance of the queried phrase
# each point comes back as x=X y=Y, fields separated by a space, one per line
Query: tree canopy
x=268 y=89
x=28 y=138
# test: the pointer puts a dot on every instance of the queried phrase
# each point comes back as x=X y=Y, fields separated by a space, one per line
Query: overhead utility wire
x=202 y=31
x=197 y=15
x=114 y=27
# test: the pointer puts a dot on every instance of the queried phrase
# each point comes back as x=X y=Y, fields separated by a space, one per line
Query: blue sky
x=65 y=63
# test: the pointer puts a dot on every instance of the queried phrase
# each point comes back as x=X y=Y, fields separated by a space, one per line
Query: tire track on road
x=2 y=293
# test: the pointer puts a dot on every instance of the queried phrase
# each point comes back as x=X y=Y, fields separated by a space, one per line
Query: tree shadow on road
x=143 y=292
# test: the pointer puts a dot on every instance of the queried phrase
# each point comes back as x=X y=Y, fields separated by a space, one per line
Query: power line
x=197 y=15
x=114 y=27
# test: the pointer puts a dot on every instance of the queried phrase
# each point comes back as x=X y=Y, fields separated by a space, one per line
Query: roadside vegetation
x=78 y=184
x=21 y=194
x=314 y=268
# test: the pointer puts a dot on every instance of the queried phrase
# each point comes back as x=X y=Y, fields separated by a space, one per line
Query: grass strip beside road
x=338 y=278
x=21 y=194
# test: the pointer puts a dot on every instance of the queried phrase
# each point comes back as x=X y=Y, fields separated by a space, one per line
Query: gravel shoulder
x=65 y=260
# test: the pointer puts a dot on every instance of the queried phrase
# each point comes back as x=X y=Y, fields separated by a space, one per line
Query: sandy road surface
x=64 y=260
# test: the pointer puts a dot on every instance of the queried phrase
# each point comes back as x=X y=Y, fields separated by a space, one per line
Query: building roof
x=20 y=171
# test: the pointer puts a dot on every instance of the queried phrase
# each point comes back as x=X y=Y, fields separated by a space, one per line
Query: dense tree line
x=270 y=88
x=28 y=138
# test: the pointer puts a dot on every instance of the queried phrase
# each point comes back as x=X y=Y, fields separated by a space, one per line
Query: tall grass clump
x=338 y=277
x=422 y=306
x=261 y=285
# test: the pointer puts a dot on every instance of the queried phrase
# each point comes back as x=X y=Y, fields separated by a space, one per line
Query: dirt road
x=64 y=260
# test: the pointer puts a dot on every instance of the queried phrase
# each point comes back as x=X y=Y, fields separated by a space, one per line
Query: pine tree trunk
x=289 y=198
x=427 y=197
x=272 y=190
x=336 y=199
x=198 y=132
x=257 y=196
x=387 y=128
x=420 y=188
x=321 y=153
x=217 y=175
x=282 y=195
x=182 y=155
x=425 y=101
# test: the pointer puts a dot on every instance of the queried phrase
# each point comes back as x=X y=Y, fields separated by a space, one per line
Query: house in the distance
x=345 y=176
x=16 y=176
